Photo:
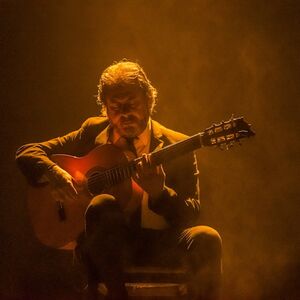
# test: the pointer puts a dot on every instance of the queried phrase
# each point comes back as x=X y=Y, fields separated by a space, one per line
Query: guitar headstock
x=226 y=133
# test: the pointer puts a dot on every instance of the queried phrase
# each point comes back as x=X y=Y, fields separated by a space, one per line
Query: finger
x=160 y=170
x=147 y=169
x=70 y=192
x=136 y=177
x=66 y=190
x=146 y=160
x=139 y=166
x=73 y=189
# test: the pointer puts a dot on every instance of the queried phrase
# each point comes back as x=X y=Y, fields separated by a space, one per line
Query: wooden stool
x=154 y=283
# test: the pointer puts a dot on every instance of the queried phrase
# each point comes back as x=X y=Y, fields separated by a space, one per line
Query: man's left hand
x=150 y=178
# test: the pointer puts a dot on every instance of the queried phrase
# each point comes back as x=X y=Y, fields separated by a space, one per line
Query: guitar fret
x=175 y=150
x=117 y=170
x=129 y=171
x=117 y=177
x=122 y=177
x=112 y=176
x=121 y=173
x=121 y=170
x=108 y=177
x=125 y=172
x=113 y=179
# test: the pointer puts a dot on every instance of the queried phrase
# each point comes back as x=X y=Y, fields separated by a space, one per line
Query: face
x=127 y=109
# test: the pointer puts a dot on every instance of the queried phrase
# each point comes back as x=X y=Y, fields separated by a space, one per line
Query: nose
x=125 y=109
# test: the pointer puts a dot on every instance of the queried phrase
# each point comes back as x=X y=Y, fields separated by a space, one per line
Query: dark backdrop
x=208 y=60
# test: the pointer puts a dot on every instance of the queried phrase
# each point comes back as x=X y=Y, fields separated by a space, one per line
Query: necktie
x=131 y=147
x=134 y=217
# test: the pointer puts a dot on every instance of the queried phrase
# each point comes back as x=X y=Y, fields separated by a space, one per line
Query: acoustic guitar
x=106 y=169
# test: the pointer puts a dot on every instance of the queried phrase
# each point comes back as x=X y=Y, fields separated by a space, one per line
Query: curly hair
x=125 y=72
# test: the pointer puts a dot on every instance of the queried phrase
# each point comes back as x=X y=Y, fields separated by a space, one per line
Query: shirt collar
x=108 y=135
x=144 y=137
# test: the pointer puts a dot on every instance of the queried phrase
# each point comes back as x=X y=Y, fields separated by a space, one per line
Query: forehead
x=124 y=91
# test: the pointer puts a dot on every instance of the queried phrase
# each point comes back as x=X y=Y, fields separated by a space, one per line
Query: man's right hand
x=61 y=183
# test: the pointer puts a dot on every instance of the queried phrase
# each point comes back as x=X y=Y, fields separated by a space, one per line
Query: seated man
x=163 y=225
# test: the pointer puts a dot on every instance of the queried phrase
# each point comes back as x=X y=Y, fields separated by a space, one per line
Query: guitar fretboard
x=174 y=150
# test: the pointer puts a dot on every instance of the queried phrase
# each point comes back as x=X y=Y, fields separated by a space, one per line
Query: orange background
x=208 y=60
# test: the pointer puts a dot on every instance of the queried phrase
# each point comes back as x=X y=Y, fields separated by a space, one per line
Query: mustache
x=127 y=118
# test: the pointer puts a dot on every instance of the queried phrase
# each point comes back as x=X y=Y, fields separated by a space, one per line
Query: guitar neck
x=174 y=150
x=167 y=153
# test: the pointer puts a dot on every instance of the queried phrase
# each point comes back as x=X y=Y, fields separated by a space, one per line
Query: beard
x=131 y=126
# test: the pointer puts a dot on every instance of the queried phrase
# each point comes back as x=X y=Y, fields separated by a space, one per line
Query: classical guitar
x=106 y=169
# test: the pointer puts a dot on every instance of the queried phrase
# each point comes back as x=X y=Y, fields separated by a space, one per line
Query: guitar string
x=109 y=175
x=109 y=178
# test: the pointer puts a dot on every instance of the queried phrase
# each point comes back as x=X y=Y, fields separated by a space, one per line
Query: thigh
x=174 y=247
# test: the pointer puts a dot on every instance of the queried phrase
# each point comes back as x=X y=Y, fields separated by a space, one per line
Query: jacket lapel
x=158 y=141
x=103 y=136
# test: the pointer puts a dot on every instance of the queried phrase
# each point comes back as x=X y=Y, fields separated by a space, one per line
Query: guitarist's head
x=127 y=97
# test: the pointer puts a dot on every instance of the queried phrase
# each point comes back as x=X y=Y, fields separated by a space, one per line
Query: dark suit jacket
x=179 y=202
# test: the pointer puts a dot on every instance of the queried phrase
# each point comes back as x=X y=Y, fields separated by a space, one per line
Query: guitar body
x=58 y=222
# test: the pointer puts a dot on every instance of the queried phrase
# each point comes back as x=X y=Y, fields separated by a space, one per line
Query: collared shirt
x=149 y=219
x=141 y=142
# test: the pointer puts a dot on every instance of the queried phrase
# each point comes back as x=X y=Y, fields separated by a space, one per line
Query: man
x=163 y=226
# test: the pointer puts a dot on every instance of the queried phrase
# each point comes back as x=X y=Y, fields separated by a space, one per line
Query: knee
x=204 y=239
x=103 y=208
x=105 y=228
x=101 y=204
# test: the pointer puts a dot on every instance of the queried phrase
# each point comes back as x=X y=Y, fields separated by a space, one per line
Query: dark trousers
x=110 y=243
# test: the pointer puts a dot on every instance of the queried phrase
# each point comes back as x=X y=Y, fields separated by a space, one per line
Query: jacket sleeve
x=179 y=203
x=33 y=159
